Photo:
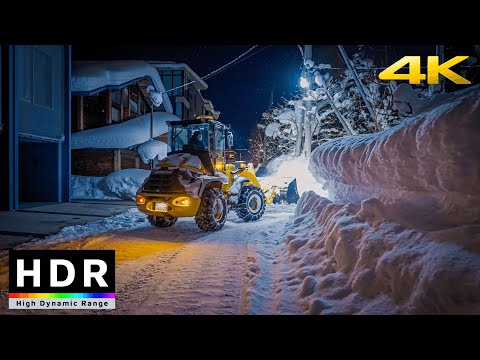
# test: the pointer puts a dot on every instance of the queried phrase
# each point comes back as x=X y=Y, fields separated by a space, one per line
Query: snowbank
x=405 y=237
x=119 y=185
x=123 y=135
x=429 y=165
x=283 y=169
x=151 y=149
x=86 y=188
x=92 y=75
x=352 y=259
x=130 y=219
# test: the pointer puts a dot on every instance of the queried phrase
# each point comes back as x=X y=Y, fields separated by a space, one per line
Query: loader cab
x=213 y=138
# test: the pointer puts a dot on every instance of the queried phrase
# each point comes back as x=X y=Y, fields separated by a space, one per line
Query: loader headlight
x=181 y=201
x=140 y=200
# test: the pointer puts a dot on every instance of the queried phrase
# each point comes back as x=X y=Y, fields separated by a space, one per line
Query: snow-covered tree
x=337 y=107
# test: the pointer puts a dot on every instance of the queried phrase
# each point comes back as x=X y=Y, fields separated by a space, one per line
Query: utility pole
x=308 y=108
x=359 y=85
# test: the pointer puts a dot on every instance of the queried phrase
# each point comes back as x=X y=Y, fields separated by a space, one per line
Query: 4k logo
x=434 y=69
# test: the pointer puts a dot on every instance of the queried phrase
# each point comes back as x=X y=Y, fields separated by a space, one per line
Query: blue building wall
x=36 y=112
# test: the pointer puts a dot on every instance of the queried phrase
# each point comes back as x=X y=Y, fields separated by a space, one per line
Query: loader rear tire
x=251 y=203
x=161 y=221
x=213 y=210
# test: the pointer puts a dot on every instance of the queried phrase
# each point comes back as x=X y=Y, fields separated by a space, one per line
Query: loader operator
x=196 y=141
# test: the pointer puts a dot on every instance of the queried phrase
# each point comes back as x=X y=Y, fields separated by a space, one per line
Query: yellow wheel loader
x=198 y=179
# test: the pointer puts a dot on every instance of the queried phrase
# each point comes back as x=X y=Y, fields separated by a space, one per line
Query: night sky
x=242 y=92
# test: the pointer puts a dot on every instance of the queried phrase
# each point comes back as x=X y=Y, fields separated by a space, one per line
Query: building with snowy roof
x=113 y=106
x=115 y=102
x=188 y=102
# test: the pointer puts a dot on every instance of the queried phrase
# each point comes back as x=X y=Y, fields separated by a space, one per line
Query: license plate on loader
x=162 y=207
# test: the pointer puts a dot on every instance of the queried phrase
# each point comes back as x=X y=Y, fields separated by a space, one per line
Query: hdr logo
x=62 y=279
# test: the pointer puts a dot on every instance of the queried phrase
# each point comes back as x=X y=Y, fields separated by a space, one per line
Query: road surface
x=182 y=270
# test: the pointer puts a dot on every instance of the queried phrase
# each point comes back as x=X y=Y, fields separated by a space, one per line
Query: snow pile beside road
x=119 y=185
x=151 y=149
x=124 y=135
x=354 y=259
x=404 y=235
x=283 y=169
x=429 y=165
x=130 y=219
x=86 y=188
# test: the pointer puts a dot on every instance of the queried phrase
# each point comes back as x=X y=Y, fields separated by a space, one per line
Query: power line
x=215 y=72
x=239 y=61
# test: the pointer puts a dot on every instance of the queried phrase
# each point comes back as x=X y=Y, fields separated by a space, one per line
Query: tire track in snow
x=225 y=272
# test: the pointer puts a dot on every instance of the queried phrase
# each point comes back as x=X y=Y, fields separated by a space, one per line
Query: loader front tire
x=212 y=213
x=161 y=221
x=251 y=203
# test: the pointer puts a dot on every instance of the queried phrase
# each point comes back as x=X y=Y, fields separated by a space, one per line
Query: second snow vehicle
x=198 y=179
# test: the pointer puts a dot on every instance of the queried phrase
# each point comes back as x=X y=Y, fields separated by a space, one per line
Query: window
x=219 y=140
x=115 y=114
x=172 y=79
x=116 y=100
x=125 y=96
x=134 y=97
x=116 y=97
x=179 y=110
x=179 y=136
x=26 y=87
x=177 y=81
x=133 y=106
x=43 y=81
x=125 y=114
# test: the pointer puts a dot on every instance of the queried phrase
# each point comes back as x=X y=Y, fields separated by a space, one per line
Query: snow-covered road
x=226 y=272
x=182 y=270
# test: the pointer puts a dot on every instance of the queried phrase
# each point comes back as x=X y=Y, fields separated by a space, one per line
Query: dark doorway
x=38 y=171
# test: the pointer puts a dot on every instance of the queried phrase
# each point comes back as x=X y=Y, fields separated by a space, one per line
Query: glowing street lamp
x=304 y=84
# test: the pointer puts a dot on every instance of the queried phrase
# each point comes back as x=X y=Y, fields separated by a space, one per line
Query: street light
x=304 y=84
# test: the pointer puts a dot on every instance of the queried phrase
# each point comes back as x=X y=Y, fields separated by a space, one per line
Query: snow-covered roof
x=124 y=135
x=91 y=77
x=166 y=65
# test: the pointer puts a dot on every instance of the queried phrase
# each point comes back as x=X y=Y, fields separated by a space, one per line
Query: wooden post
x=117 y=160
x=80 y=113
x=108 y=114
x=129 y=96
x=137 y=163
x=121 y=105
